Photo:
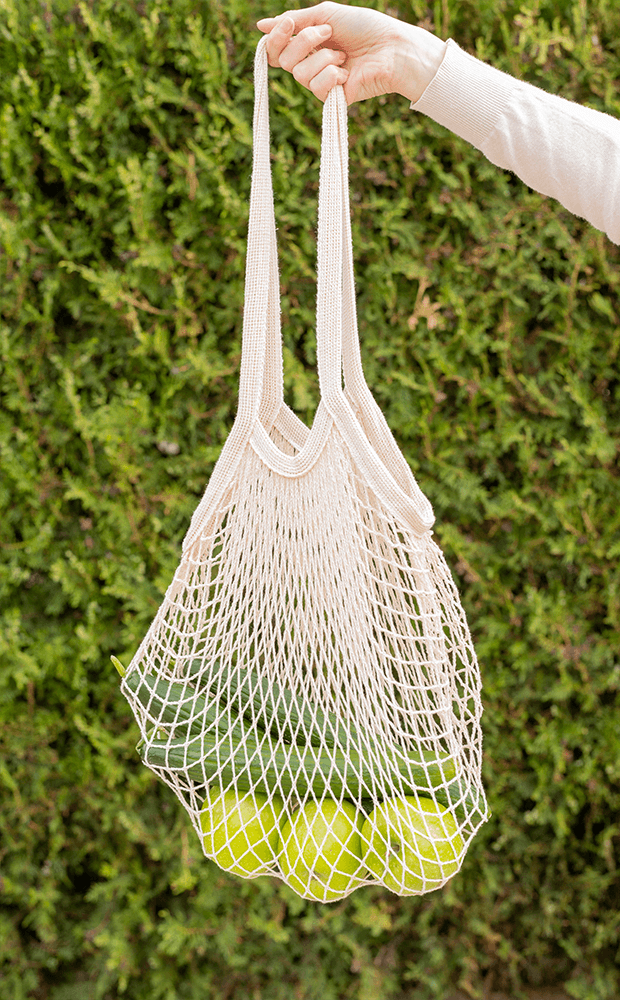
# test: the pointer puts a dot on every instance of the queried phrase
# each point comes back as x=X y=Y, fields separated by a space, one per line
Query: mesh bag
x=309 y=688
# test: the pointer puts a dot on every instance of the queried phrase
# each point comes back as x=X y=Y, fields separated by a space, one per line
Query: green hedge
x=489 y=321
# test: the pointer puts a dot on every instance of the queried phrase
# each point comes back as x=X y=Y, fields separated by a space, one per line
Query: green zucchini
x=271 y=767
x=267 y=768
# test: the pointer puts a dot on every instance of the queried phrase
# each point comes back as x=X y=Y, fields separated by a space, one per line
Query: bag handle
x=261 y=397
x=261 y=384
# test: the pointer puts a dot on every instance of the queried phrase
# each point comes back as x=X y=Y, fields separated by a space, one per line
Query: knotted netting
x=309 y=688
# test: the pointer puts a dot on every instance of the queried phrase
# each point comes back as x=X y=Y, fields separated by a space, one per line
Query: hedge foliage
x=489 y=321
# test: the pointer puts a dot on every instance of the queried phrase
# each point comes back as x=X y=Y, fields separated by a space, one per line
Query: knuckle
x=286 y=62
x=272 y=58
x=331 y=74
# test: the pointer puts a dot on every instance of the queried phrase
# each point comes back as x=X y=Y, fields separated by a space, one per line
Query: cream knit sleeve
x=557 y=147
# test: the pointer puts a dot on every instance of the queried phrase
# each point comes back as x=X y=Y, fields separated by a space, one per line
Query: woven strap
x=261 y=396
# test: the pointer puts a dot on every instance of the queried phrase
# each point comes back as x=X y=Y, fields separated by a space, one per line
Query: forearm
x=557 y=147
x=417 y=57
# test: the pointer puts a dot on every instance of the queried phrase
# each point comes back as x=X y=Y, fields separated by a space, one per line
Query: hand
x=367 y=52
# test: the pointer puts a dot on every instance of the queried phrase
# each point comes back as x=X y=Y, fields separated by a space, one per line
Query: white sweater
x=557 y=147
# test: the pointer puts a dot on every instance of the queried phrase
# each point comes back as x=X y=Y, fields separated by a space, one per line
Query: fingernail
x=325 y=29
x=288 y=24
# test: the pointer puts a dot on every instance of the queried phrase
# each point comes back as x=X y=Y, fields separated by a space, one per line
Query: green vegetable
x=270 y=767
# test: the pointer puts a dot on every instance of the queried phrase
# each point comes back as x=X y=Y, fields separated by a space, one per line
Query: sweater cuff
x=466 y=95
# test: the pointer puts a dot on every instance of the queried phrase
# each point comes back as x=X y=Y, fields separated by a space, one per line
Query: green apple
x=320 y=849
x=411 y=844
x=241 y=830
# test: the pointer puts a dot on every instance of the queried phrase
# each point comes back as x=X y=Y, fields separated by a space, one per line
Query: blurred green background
x=489 y=325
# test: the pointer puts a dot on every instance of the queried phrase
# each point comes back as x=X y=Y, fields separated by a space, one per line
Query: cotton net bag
x=309 y=688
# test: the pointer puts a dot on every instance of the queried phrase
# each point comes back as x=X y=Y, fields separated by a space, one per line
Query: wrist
x=418 y=54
